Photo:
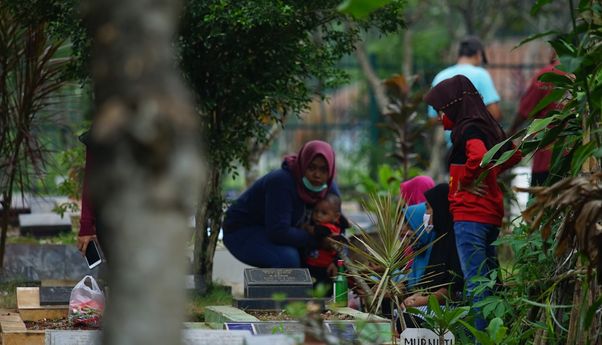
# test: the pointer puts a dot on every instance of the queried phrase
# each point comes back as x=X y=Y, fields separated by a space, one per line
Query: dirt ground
x=283 y=316
x=62 y=324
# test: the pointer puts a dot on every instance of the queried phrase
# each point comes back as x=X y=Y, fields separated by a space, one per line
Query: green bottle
x=340 y=287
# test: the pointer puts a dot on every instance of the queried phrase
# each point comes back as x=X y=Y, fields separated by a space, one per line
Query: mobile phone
x=93 y=255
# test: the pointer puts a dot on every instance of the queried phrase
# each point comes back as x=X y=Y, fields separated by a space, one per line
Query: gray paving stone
x=189 y=337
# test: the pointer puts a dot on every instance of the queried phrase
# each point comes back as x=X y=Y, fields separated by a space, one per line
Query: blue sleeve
x=487 y=89
x=280 y=193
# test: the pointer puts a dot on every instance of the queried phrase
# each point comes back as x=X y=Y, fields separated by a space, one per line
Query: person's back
x=479 y=77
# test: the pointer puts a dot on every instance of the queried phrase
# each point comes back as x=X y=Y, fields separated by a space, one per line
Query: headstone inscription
x=420 y=336
x=265 y=282
x=55 y=295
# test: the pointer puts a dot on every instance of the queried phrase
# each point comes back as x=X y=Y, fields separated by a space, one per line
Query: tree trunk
x=208 y=221
x=373 y=80
x=6 y=204
x=257 y=148
x=436 y=168
x=408 y=53
x=147 y=167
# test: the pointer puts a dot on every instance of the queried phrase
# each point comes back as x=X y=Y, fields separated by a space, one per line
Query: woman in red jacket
x=477 y=210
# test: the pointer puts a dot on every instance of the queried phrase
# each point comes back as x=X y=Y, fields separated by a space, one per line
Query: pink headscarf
x=412 y=190
x=297 y=164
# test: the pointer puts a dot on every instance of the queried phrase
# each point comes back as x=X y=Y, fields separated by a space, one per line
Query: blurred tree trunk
x=147 y=167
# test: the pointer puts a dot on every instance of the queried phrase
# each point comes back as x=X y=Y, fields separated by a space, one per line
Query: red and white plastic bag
x=86 y=304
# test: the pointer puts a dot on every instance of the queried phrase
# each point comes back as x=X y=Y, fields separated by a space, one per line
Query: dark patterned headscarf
x=462 y=104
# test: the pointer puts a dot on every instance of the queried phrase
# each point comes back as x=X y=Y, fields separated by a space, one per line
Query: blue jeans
x=252 y=246
x=477 y=257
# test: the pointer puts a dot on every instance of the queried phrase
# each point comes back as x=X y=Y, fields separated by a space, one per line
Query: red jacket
x=537 y=91
x=324 y=257
x=465 y=169
x=87 y=221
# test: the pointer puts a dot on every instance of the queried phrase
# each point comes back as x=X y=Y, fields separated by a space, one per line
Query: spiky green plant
x=379 y=259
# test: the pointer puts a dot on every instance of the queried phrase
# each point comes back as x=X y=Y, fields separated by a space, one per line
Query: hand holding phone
x=93 y=255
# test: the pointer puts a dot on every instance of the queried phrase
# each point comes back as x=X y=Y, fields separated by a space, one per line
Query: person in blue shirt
x=471 y=55
x=269 y=225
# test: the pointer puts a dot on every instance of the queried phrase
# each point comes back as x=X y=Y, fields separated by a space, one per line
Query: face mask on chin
x=426 y=219
x=448 y=124
x=310 y=187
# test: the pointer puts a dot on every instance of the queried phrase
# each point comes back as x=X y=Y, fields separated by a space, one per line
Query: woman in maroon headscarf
x=477 y=210
x=269 y=223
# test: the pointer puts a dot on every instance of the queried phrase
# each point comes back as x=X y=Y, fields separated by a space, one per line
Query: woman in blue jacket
x=269 y=223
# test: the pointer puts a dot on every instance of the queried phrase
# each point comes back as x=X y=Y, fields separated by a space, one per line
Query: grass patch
x=62 y=238
x=217 y=295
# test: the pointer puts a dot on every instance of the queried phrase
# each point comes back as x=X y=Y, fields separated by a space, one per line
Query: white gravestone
x=424 y=336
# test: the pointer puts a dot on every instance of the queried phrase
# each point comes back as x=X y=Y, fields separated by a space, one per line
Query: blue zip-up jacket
x=273 y=202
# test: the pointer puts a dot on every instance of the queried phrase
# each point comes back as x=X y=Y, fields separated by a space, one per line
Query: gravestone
x=265 y=282
x=213 y=337
x=275 y=327
x=189 y=337
x=43 y=224
x=420 y=336
x=274 y=339
x=55 y=295
x=19 y=205
x=342 y=330
x=261 y=284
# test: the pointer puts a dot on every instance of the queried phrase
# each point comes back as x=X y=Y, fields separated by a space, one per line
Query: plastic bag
x=86 y=304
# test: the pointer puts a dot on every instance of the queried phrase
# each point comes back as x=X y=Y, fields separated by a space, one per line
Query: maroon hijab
x=297 y=164
x=462 y=104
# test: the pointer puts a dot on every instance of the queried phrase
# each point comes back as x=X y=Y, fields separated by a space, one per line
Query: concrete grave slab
x=28 y=303
x=189 y=337
x=61 y=337
x=43 y=224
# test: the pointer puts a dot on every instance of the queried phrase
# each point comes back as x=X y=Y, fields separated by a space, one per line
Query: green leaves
x=538 y=5
x=569 y=64
x=581 y=155
x=361 y=8
x=496 y=330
